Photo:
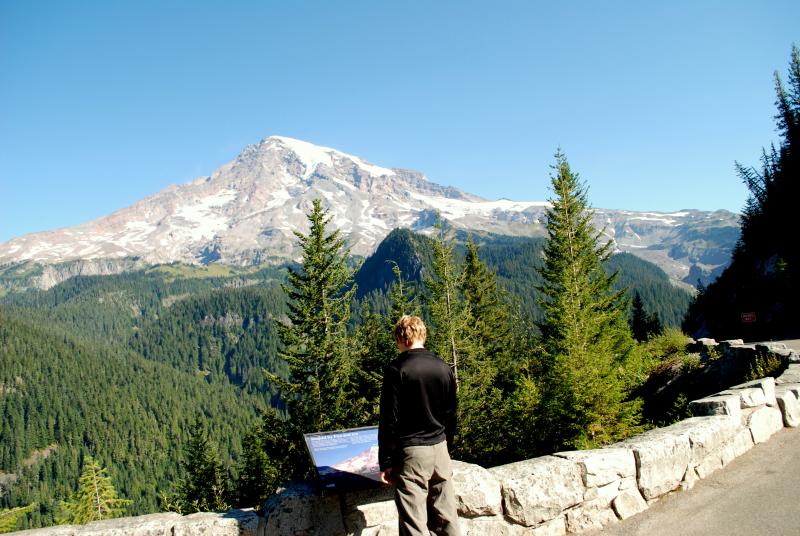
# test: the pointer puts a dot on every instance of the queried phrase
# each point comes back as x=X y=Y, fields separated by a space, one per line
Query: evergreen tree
x=10 y=517
x=258 y=477
x=204 y=487
x=586 y=338
x=644 y=325
x=95 y=499
x=762 y=283
x=315 y=342
x=450 y=315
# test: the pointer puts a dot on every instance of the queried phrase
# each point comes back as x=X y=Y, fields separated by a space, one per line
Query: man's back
x=421 y=399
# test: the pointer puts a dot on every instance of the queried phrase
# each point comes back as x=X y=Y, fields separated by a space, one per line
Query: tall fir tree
x=95 y=499
x=450 y=316
x=258 y=476
x=315 y=342
x=586 y=338
x=482 y=412
x=204 y=486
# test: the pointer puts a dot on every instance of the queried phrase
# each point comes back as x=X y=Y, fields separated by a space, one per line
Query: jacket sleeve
x=387 y=429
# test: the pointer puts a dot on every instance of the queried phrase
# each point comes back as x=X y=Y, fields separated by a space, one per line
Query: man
x=418 y=420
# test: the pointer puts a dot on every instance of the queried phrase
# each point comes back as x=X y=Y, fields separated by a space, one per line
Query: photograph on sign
x=346 y=459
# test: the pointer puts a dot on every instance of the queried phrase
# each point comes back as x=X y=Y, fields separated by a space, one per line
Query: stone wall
x=564 y=493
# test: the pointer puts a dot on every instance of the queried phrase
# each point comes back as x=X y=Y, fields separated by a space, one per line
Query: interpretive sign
x=346 y=459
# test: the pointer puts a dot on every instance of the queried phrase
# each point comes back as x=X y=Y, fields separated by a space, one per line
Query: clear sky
x=105 y=102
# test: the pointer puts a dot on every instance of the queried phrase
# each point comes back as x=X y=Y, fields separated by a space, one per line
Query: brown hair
x=410 y=329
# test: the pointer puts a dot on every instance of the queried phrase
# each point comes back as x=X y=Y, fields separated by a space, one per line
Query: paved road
x=756 y=494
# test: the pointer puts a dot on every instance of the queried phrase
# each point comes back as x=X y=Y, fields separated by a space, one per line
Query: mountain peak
x=312 y=156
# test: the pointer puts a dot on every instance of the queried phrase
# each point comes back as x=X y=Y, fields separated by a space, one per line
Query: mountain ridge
x=246 y=212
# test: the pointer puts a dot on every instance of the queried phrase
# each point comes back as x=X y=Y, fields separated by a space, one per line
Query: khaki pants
x=424 y=492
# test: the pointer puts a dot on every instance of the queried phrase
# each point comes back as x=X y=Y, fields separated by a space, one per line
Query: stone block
x=477 y=491
x=229 y=523
x=765 y=384
x=790 y=375
x=763 y=422
x=147 y=525
x=298 y=510
x=602 y=466
x=742 y=442
x=61 y=530
x=369 y=508
x=629 y=503
x=730 y=405
x=538 y=490
x=793 y=387
x=750 y=397
x=789 y=404
x=661 y=461
x=490 y=526
x=591 y=515
x=605 y=493
x=706 y=434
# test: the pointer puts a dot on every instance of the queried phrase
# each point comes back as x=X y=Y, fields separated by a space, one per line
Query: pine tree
x=10 y=517
x=586 y=337
x=204 y=487
x=315 y=342
x=258 y=477
x=487 y=306
x=95 y=499
x=450 y=315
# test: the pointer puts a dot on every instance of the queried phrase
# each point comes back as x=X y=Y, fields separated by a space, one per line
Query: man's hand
x=387 y=477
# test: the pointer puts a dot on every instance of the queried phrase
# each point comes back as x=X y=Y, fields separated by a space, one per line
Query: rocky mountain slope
x=246 y=211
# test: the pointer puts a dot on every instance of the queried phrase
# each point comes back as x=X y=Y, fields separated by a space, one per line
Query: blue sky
x=105 y=102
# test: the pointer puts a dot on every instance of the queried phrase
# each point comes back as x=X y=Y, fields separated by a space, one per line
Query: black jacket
x=418 y=404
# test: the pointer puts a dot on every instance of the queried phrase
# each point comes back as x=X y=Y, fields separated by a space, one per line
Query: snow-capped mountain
x=246 y=211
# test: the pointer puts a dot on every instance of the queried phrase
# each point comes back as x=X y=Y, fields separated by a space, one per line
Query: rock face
x=245 y=213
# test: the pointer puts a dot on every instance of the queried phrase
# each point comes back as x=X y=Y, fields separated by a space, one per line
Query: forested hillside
x=62 y=398
x=517 y=261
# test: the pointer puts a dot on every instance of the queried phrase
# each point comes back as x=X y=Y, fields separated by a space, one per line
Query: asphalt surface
x=756 y=494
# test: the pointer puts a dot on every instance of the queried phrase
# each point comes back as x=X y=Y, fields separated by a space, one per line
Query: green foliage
x=644 y=325
x=765 y=364
x=95 y=499
x=314 y=343
x=227 y=335
x=763 y=280
x=9 y=518
x=586 y=337
x=258 y=476
x=449 y=336
x=63 y=396
x=204 y=486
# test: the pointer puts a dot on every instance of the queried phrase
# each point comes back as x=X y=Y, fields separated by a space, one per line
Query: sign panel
x=346 y=459
x=747 y=318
